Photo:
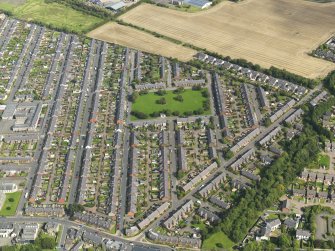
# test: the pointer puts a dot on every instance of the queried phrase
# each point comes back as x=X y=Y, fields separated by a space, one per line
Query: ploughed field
x=131 y=37
x=277 y=33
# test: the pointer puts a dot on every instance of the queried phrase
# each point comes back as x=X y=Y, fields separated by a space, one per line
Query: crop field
x=54 y=14
x=277 y=33
x=133 y=38
x=147 y=103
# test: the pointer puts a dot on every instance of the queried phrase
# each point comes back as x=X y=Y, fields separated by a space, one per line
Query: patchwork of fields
x=277 y=33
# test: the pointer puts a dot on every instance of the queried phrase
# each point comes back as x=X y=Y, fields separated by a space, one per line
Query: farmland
x=130 y=37
x=53 y=14
x=266 y=32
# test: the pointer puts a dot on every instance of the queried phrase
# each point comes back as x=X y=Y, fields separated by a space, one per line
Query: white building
x=273 y=224
x=203 y=4
x=8 y=187
x=302 y=234
x=6 y=229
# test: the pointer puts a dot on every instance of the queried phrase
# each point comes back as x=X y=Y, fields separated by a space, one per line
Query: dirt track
x=130 y=37
x=266 y=32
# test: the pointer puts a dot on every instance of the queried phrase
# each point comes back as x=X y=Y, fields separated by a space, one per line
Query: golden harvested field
x=133 y=38
x=266 y=32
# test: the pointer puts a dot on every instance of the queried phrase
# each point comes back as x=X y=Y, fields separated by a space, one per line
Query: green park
x=10 y=204
x=180 y=102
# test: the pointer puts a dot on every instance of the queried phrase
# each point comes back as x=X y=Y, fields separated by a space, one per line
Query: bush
x=48 y=242
x=11 y=199
x=161 y=92
x=179 y=98
x=161 y=101
x=139 y=115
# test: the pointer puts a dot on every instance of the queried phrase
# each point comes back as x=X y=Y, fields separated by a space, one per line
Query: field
x=219 y=237
x=54 y=14
x=277 y=33
x=10 y=204
x=133 y=38
x=146 y=103
x=324 y=161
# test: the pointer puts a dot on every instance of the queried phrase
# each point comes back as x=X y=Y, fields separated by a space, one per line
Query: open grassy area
x=324 y=160
x=10 y=205
x=192 y=100
x=52 y=14
x=214 y=239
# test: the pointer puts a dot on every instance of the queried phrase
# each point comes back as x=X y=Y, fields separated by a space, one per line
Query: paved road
x=70 y=224
x=124 y=174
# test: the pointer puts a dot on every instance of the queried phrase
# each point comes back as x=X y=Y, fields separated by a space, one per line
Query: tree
x=196 y=88
x=48 y=242
x=284 y=240
x=143 y=92
x=73 y=208
x=179 y=98
x=30 y=247
x=154 y=114
x=8 y=248
x=228 y=155
x=139 y=115
x=176 y=113
x=179 y=90
x=161 y=92
x=267 y=122
x=133 y=97
x=205 y=93
x=161 y=101
x=219 y=245
x=198 y=112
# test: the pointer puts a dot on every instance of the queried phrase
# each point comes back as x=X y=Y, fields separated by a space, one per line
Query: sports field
x=57 y=15
x=193 y=100
x=133 y=38
x=266 y=32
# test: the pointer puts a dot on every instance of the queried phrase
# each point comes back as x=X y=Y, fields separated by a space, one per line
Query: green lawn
x=9 y=208
x=52 y=14
x=219 y=237
x=192 y=100
x=324 y=160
